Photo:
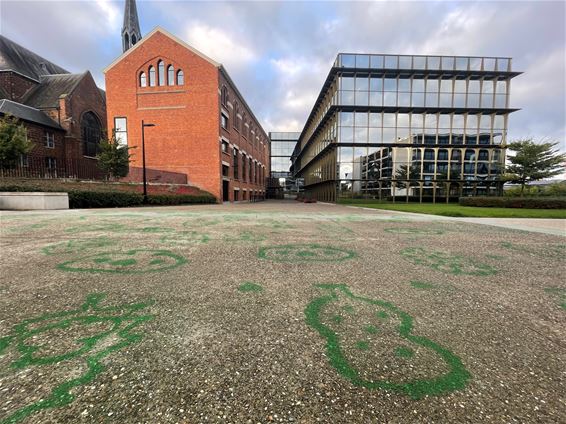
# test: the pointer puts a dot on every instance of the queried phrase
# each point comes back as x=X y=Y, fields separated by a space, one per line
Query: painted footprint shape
x=139 y=261
x=446 y=262
x=370 y=342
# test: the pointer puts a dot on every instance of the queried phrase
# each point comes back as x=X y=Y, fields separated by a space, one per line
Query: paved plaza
x=279 y=312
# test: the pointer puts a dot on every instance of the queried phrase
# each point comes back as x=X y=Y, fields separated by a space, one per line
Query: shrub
x=551 y=190
x=179 y=199
x=79 y=199
x=515 y=202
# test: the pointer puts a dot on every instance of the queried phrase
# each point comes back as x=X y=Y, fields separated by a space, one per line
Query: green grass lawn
x=451 y=209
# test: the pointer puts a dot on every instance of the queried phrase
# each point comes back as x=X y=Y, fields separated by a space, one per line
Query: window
x=236 y=194
x=224 y=121
x=250 y=169
x=151 y=76
x=224 y=146
x=91 y=131
x=180 y=77
x=235 y=165
x=121 y=131
x=50 y=163
x=161 y=72
x=143 y=79
x=225 y=171
x=170 y=75
x=224 y=96
x=244 y=163
x=49 y=139
x=24 y=161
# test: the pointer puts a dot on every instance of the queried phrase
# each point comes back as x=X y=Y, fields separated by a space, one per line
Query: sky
x=279 y=53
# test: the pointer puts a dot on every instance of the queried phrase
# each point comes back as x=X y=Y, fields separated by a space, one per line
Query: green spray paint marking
x=76 y=246
x=413 y=231
x=139 y=261
x=123 y=319
x=549 y=250
x=250 y=287
x=560 y=292
x=245 y=236
x=202 y=222
x=304 y=253
x=404 y=352
x=371 y=329
x=446 y=262
x=456 y=378
x=184 y=237
x=104 y=227
x=421 y=285
x=156 y=230
x=363 y=345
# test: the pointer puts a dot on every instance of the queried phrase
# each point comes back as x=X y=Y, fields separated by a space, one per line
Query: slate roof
x=51 y=88
x=27 y=113
x=19 y=59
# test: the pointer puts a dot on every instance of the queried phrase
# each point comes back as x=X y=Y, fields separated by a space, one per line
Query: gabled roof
x=14 y=57
x=51 y=88
x=167 y=34
x=27 y=113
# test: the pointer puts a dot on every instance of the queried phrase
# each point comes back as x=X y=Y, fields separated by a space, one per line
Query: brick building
x=203 y=127
x=64 y=113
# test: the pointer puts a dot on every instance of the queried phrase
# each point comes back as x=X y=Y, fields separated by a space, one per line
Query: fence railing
x=44 y=168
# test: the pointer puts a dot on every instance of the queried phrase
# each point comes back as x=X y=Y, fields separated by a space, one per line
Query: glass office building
x=282 y=146
x=422 y=127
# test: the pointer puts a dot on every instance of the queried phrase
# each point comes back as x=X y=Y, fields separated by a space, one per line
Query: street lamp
x=143 y=160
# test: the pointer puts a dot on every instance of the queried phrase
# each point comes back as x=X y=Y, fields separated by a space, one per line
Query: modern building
x=203 y=128
x=282 y=147
x=64 y=114
x=422 y=127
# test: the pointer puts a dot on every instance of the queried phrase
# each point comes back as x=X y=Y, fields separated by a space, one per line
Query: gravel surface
x=278 y=312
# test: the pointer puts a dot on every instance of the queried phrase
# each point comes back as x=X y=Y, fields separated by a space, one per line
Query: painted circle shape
x=305 y=253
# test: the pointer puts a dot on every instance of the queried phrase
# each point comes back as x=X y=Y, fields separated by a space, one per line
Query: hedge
x=82 y=199
x=515 y=202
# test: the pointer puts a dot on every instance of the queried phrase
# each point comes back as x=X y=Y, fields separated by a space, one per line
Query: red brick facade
x=15 y=86
x=187 y=137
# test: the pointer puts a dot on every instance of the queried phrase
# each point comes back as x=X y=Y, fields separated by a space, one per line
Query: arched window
x=170 y=75
x=126 y=42
x=151 y=76
x=134 y=41
x=180 y=77
x=161 y=72
x=91 y=133
x=143 y=79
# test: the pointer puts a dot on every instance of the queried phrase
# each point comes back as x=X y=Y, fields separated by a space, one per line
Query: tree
x=114 y=157
x=13 y=142
x=533 y=161
x=404 y=180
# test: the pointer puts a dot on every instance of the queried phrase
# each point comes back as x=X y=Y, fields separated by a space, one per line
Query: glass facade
x=416 y=126
x=282 y=146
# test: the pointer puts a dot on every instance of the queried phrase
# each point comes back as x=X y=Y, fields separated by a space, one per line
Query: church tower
x=131 y=33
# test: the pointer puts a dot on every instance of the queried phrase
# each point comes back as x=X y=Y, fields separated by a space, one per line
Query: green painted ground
x=443 y=209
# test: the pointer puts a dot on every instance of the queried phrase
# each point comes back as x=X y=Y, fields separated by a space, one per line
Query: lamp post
x=144 y=125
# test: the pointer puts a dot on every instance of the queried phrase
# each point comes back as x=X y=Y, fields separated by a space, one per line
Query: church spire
x=131 y=33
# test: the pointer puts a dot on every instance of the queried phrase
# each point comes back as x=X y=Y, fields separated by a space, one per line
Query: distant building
x=418 y=126
x=204 y=129
x=64 y=113
x=282 y=146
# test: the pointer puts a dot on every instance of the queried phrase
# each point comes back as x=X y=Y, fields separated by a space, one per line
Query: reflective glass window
x=347 y=119
x=460 y=86
x=405 y=62
x=390 y=99
x=362 y=84
x=362 y=98
x=417 y=121
x=403 y=120
x=389 y=135
x=445 y=100
x=361 y=135
x=346 y=154
x=448 y=63
x=503 y=65
x=347 y=98
x=483 y=155
x=446 y=85
x=348 y=60
x=500 y=101
x=375 y=135
x=375 y=98
x=417 y=99
x=444 y=121
x=459 y=100
x=361 y=119
x=403 y=134
x=347 y=83
x=161 y=72
x=501 y=87
x=390 y=84
x=429 y=154
x=404 y=99
x=458 y=121
x=473 y=100
x=443 y=154
x=485 y=122
x=474 y=86
x=430 y=121
x=391 y=62
x=389 y=120
x=418 y=85
x=376 y=84
x=472 y=122
x=456 y=155
x=375 y=119
x=498 y=122
x=475 y=63
x=432 y=86
x=404 y=84
x=487 y=100
x=346 y=134
x=419 y=62
x=433 y=62
x=489 y=64
x=462 y=63
x=431 y=100
x=376 y=62
x=470 y=155
x=488 y=86
x=362 y=61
